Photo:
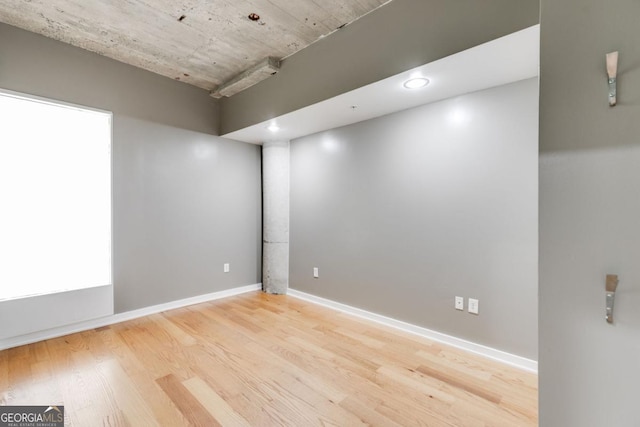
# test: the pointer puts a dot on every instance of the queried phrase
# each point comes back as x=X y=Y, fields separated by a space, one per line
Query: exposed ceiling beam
x=262 y=70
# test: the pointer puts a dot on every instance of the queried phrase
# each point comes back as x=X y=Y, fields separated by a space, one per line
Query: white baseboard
x=501 y=356
x=492 y=353
x=121 y=317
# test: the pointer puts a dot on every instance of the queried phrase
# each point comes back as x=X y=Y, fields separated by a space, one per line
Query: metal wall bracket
x=610 y=298
x=612 y=73
x=611 y=285
x=612 y=92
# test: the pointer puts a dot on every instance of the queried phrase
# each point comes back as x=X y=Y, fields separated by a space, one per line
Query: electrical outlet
x=473 y=306
x=226 y=268
x=315 y=272
x=459 y=303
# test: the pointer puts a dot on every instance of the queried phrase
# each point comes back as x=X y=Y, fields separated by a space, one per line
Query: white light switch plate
x=473 y=306
x=315 y=272
x=459 y=303
x=226 y=268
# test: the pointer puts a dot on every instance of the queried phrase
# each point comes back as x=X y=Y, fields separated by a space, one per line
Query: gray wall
x=589 y=215
x=36 y=65
x=404 y=212
x=184 y=201
x=396 y=37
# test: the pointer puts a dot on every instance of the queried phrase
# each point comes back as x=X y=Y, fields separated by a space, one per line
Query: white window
x=55 y=197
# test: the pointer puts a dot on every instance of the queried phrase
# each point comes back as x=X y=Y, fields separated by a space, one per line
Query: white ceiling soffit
x=505 y=60
x=201 y=42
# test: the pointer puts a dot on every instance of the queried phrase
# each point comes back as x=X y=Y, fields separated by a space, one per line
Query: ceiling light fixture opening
x=416 y=83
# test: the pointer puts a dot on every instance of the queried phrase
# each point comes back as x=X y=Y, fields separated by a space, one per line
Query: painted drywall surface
x=22 y=316
x=184 y=201
x=36 y=65
x=399 y=36
x=589 y=210
x=404 y=212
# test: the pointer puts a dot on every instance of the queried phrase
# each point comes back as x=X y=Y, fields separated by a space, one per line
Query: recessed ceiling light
x=274 y=127
x=416 y=83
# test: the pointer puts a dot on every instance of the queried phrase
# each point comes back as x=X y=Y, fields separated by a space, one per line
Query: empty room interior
x=368 y=212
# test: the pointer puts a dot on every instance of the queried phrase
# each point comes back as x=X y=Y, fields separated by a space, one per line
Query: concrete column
x=275 y=214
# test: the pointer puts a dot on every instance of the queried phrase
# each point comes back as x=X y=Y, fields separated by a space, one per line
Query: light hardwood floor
x=263 y=360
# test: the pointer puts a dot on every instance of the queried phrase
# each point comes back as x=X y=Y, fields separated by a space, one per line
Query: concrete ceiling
x=201 y=42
